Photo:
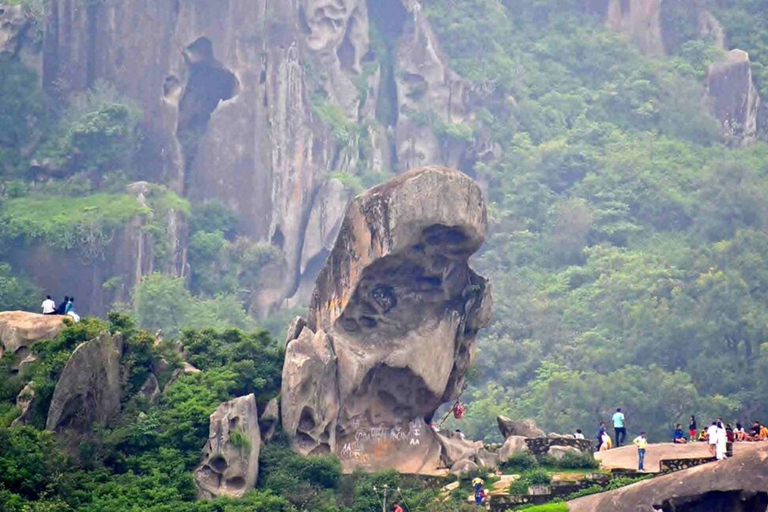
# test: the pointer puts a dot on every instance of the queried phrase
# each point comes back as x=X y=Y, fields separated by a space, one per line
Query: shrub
x=520 y=462
x=578 y=461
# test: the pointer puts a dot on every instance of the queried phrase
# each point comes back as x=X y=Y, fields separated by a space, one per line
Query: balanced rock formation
x=734 y=99
x=230 y=464
x=24 y=401
x=738 y=484
x=89 y=389
x=19 y=330
x=391 y=327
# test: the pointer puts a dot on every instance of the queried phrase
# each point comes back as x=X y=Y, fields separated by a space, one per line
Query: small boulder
x=558 y=452
x=464 y=467
x=486 y=458
x=526 y=428
x=89 y=389
x=151 y=389
x=24 y=402
x=230 y=463
x=513 y=445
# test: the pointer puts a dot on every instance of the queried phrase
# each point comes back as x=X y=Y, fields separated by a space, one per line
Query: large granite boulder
x=24 y=401
x=89 y=389
x=524 y=428
x=733 y=98
x=19 y=330
x=230 y=464
x=392 y=324
x=512 y=446
x=738 y=484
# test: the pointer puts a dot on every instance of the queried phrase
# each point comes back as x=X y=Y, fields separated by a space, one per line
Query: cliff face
x=242 y=102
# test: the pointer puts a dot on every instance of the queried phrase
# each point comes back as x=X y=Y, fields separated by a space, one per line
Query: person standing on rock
x=600 y=434
x=692 y=428
x=712 y=438
x=721 y=446
x=619 y=430
x=49 y=307
x=642 y=443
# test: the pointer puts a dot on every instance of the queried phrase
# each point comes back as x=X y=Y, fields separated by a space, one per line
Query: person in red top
x=398 y=508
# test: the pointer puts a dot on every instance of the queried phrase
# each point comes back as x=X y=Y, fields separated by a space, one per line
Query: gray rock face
x=464 y=467
x=733 y=99
x=230 y=463
x=524 y=428
x=269 y=420
x=89 y=388
x=737 y=484
x=391 y=326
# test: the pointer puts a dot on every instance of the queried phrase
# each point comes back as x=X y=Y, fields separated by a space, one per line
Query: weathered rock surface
x=464 y=467
x=89 y=389
x=738 y=484
x=734 y=100
x=392 y=325
x=230 y=463
x=150 y=390
x=512 y=445
x=19 y=330
x=269 y=420
x=525 y=428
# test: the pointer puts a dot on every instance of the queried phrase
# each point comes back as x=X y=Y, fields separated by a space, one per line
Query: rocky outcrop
x=738 y=484
x=24 y=402
x=734 y=100
x=20 y=35
x=230 y=462
x=426 y=87
x=89 y=389
x=269 y=420
x=525 y=428
x=392 y=324
x=19 y=330
x=639 y=20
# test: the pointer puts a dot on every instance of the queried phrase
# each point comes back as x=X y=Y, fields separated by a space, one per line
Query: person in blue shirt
x=678 y=437
x=619 y=429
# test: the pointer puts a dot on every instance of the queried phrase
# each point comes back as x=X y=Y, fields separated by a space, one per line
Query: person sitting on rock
x=49 y=307
x=62 y=309
x=763 y=435
x=69 y=305
x=754 y=432
x=678 y=437
x=578 y=434
x=703 y=435
x=739 y=434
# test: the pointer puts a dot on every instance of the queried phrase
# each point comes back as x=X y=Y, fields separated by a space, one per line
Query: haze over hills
x=190 y=162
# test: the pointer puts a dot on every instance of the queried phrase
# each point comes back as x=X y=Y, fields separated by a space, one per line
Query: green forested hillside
x=627 y=250
x=628 y=242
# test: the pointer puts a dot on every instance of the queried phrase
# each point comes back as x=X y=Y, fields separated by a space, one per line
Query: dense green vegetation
x=627 y=241
x=627 y=253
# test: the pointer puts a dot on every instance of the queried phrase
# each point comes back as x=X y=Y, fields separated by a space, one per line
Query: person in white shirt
x=712 y=436
x=578 y=434
x=49 y=307
x=721 y=447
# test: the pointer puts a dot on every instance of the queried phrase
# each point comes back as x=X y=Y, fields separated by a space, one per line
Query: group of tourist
x=757 y=432
x=65 y=307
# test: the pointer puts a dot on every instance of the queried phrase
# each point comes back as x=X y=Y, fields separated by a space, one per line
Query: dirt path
x=626 y=456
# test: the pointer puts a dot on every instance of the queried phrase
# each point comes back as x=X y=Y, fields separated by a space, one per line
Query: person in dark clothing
x=62 y=309
x=692 y=428
x=600 y=433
